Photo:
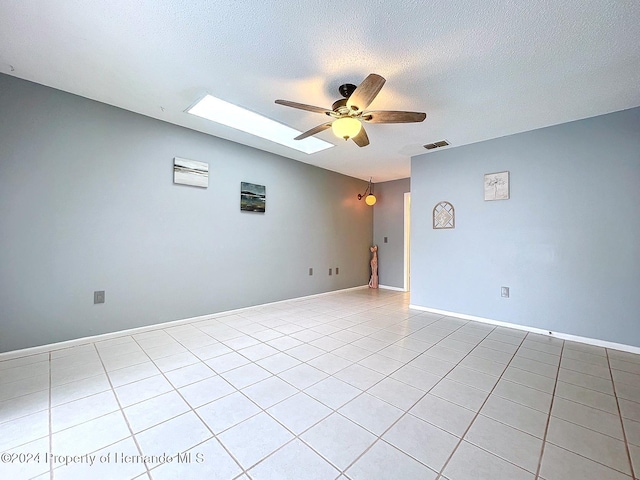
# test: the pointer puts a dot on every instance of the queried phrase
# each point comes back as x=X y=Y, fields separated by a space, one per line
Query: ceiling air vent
x=441 y=143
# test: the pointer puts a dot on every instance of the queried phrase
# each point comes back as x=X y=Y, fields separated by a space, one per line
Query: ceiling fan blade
x=366 y=92
x=361 y=139
x=303 y=106
x=313 y=131
x=388 y=116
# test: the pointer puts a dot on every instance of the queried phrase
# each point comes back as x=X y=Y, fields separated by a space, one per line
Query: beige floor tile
x=443 y=414
x=586 y=396
x=396 y=393
x=483 y=365
x=588 y=417
x=592 y=382
x=473 y=378
x=339 y=440
x=292 y=462
x=268 y=392
x=384 y=461
x=524 y=395
x=506 y=442
x=561 y=464
x=629 y=409
x=460 y=394
x=529 y=379
x=515 y=415
x=416 y=377
x=472 y=463
x=231 y=388
x=359 y=376
x=632 y=431
x=332 y=392
x=586 y=357
x=424 y=442
x=588 y=443
x=207 y=460
x=371 y=413
x=299 y=412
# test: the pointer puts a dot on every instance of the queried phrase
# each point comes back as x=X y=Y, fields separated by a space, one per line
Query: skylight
x=233 y=116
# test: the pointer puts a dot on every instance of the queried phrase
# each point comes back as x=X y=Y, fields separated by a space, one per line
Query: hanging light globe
x=346 y=127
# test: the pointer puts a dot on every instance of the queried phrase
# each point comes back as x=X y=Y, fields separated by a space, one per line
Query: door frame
x=407 y=241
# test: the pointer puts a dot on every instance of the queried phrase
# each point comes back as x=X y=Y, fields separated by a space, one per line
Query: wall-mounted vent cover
x=441 y=143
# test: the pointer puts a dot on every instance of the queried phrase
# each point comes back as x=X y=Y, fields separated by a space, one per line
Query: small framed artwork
x=496 y=186
x=444 y=216
x=253 y=198
x=190 y=172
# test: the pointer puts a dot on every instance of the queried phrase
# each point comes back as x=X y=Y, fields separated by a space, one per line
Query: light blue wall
x=87 y=202
x=567 y=243
x=388 y=221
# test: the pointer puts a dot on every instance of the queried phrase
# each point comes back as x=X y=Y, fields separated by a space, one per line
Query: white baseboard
x=156 y=326
x=395 y=289
x=563 y=336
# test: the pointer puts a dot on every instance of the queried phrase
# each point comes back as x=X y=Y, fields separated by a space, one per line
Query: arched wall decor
x=444 y=215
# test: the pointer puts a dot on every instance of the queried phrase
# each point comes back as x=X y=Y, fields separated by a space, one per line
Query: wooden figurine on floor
x=373 y=282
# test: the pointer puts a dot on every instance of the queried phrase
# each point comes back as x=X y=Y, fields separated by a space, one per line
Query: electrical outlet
x=98 y=296
x=311 y=271
x=337 y=270
x=504 y=292
x=330 y=272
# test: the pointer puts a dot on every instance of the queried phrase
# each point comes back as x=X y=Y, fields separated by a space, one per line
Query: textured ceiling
x=480 y=69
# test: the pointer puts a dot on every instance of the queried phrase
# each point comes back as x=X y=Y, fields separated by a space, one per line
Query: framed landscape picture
x=190 y=172
x=253 y=198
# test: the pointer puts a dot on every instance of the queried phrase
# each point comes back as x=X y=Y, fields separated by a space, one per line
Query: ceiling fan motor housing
x=340 y=106
x=347 y=89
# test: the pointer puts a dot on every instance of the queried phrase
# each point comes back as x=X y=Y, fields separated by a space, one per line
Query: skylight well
x=233 y=116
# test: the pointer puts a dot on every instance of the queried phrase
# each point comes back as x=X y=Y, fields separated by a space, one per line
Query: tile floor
x=351 y=385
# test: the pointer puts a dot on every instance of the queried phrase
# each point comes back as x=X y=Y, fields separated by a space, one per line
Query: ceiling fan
x=349 y=112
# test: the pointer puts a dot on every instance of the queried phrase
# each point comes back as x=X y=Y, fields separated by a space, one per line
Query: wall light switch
x=98 y=296
x=504 y=292
x=330 y=271
x=337 y=270
x=311 y=271
x=386 y=239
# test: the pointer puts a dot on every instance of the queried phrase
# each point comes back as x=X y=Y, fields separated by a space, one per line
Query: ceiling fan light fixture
x=346 y=127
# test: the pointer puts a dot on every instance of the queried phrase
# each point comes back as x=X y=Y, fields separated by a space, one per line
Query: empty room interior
x=320 y=240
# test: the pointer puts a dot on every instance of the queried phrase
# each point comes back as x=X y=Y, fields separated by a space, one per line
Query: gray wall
x=87 y=202
x=388 y=221
x=566 y=243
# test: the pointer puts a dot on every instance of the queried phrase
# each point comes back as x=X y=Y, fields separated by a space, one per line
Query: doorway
x=407 y=241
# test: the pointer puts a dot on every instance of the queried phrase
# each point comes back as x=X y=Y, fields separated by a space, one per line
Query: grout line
x=546 y=428
x=461 y=438
x=624 y=432
x=113 y=390
x=383 y=320
x=191 y=408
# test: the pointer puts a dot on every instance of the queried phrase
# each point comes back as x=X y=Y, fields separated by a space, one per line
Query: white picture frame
x=190 y=172
x=496 y=186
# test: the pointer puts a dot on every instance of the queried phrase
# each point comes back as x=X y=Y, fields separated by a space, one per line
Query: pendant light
x=369 y=199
